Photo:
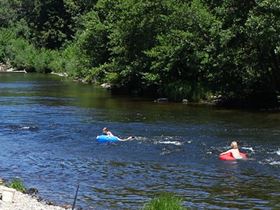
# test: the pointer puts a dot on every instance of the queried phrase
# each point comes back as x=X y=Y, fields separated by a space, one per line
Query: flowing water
x=48 y=127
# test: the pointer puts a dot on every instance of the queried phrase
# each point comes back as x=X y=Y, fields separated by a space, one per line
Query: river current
x=48 y=127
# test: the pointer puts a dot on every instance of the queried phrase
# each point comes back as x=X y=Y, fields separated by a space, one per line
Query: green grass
x=18 y=185
x=164 y=202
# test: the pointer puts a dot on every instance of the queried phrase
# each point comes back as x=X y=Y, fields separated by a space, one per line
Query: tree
x=182 y=59
x=51 y=24
x=133 y=29
x=9 y=10
x=263 y=28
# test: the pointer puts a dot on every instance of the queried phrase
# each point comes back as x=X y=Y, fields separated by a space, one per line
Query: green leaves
x=50 y=21
x=165 y=201
x=17 y=184
x=9 y=12
x=179 y=49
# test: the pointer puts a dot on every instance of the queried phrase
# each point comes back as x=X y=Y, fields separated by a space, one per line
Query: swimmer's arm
x=127 y=139
x=223 y=153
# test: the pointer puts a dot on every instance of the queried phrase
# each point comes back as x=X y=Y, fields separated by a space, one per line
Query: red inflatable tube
x=228 y=156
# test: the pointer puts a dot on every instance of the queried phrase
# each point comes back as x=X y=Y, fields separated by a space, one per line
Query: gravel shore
x=22 y=201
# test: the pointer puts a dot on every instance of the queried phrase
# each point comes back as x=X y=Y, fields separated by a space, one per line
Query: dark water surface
x=47 y=138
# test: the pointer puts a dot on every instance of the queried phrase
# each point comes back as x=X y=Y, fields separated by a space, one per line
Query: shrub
x=18 y=185
x=179 y=90
x=165 y=202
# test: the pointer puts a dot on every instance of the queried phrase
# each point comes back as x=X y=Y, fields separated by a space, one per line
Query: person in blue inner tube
x=107 y=132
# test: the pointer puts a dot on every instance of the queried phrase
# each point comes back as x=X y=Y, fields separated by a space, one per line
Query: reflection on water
x=47 y=137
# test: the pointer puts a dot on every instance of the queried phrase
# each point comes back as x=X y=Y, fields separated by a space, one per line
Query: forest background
x=180 y=49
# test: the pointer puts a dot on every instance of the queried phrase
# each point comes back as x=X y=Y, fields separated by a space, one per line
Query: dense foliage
x=177 y=49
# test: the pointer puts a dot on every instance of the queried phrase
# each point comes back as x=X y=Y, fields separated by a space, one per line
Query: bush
x=5 y=36
x=70 y=61
x=22 y=54
x=18 y=185
x=42 y=61
x=185 y=90
x=165 y=202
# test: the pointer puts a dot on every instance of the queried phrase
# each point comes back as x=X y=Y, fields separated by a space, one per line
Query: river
x=47 y=139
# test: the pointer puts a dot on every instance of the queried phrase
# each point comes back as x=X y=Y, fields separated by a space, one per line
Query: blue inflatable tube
x=105 y=138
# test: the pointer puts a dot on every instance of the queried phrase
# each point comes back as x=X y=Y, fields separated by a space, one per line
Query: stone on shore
x=60 y=74
x=161 y=100
x=10 y=69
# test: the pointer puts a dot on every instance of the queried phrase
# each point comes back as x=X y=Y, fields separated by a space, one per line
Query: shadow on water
x=47 y=136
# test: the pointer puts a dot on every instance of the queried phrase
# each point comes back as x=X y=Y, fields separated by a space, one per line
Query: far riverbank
x=268 y=103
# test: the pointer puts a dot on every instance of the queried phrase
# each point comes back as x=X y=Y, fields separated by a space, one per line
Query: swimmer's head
x=234 y=145
x=105 y=129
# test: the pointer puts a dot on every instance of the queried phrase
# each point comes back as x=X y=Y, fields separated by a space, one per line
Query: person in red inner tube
x=234 y=151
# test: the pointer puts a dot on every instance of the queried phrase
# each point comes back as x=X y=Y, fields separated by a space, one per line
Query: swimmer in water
x=234 y=151
x=107 y=132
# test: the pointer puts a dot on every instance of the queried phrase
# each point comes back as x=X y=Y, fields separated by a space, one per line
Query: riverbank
x=15 y=200
x=261 y=101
